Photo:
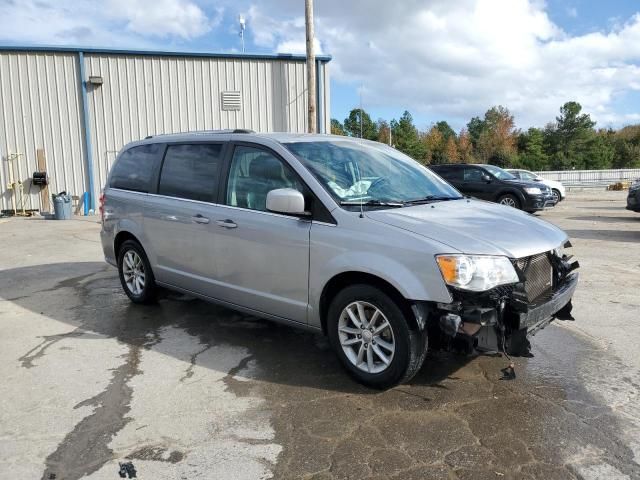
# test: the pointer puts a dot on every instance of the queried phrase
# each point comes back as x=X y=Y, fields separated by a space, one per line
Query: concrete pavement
x=189 y=390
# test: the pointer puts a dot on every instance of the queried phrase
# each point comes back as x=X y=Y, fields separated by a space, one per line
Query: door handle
x=173 y=218
x=226 y=223
x=200 y=219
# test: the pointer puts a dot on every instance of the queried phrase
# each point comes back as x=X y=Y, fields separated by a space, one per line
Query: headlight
x=476 y=272
x=533 y=190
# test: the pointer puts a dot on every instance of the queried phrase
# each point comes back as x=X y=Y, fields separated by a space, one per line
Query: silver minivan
x=342 y=236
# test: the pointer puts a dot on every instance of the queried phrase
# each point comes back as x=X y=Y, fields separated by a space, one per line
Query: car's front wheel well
x=342 y=280
x=122 y=237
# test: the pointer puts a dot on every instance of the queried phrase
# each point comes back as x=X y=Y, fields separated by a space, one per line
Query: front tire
x=372 y=338
x=135 y=273
x=556 y=196
x=510 y=201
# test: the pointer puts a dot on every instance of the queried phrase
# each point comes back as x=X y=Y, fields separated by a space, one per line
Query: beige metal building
x=71 y=109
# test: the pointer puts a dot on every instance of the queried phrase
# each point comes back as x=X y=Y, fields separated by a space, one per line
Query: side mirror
x=486 y=178
x=286 y=200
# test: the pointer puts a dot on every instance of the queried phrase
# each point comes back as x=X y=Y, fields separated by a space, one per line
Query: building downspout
x=87 y=131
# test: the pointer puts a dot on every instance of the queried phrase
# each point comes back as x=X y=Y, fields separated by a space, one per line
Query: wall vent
x=231 y=100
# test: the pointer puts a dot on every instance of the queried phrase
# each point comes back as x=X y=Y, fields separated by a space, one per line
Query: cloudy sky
x=439 y=59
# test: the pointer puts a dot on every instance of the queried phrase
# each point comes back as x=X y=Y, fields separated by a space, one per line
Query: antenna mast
x=243 y=25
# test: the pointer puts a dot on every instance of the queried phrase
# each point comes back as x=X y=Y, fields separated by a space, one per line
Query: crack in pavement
x=192 y=364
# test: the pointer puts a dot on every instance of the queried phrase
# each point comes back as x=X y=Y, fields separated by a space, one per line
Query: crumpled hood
x=476 y=227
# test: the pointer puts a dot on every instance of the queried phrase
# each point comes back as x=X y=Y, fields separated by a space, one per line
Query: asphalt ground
x=189 y=390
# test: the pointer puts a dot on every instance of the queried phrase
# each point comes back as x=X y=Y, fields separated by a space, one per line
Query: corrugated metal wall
x=40 y=107
x=140 y=95
x=143 y=95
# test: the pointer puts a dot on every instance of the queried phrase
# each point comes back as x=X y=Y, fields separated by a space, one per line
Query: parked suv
x=633 y=198
x=488 y=182
x=557 y=189
x=346 y=237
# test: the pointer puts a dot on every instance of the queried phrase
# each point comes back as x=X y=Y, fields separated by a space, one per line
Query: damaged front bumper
x=535 y=317
x=502 y=318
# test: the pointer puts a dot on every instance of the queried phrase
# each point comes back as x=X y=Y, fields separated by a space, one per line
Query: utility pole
x=311 y=68
x=361 y=111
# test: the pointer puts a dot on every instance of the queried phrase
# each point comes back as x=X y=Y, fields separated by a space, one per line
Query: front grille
x=538 y=273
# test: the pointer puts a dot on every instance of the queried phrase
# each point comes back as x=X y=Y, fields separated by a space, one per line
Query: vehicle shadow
x=631 y=236
x=601 y=218
x=88 y=297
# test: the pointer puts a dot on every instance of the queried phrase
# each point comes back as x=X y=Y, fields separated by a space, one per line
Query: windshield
x=370 y=173
x=498 y=172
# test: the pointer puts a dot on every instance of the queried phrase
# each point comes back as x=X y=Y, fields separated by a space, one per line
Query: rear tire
x=135 y=273
x=380 y=351
x=510 y=201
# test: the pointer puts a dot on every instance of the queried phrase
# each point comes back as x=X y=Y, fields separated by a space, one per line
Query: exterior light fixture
x=95 y=80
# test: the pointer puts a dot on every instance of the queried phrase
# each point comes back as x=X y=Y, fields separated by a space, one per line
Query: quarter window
x=135 y=168
x=191 y=172
x=253 y=174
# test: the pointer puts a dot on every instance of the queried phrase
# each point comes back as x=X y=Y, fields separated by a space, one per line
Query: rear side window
x=449 y=173
x=472 y=175
x=135 y=168
x=191 y=171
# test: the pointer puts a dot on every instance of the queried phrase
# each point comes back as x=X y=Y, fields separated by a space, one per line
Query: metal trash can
x=61 y=206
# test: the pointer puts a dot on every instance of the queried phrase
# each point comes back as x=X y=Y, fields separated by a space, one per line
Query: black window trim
x=320 y=213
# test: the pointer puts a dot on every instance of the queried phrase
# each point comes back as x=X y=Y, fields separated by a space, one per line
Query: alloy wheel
x=508 y=201
x=366 y=337
x=133 y=272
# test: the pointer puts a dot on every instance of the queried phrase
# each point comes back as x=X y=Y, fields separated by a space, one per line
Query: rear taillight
x=101 y=206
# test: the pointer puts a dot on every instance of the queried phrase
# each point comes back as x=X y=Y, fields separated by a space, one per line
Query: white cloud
x=456 y=59
x=437 y=58
x=181 y=18
x=123 y=23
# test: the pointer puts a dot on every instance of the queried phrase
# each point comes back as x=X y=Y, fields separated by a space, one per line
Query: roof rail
x=205 y=132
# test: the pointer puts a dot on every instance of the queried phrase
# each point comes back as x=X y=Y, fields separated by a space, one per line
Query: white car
x=557 y=189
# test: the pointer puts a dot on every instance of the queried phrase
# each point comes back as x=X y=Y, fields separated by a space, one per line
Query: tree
x=353 y=127
x=435 y=145
x=531 y=151
x=496 y=143
x=600 y=151
x=465 y=148
x=451 y=150
x=336 y=127
x=626 y=144
x=446 y=131
x=405 y=137
x=475 y=127
x=383 y=131
x=570 y=139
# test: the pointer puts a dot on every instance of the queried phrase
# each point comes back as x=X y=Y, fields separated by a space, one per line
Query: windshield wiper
x=429 y=199
x=371 y=203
